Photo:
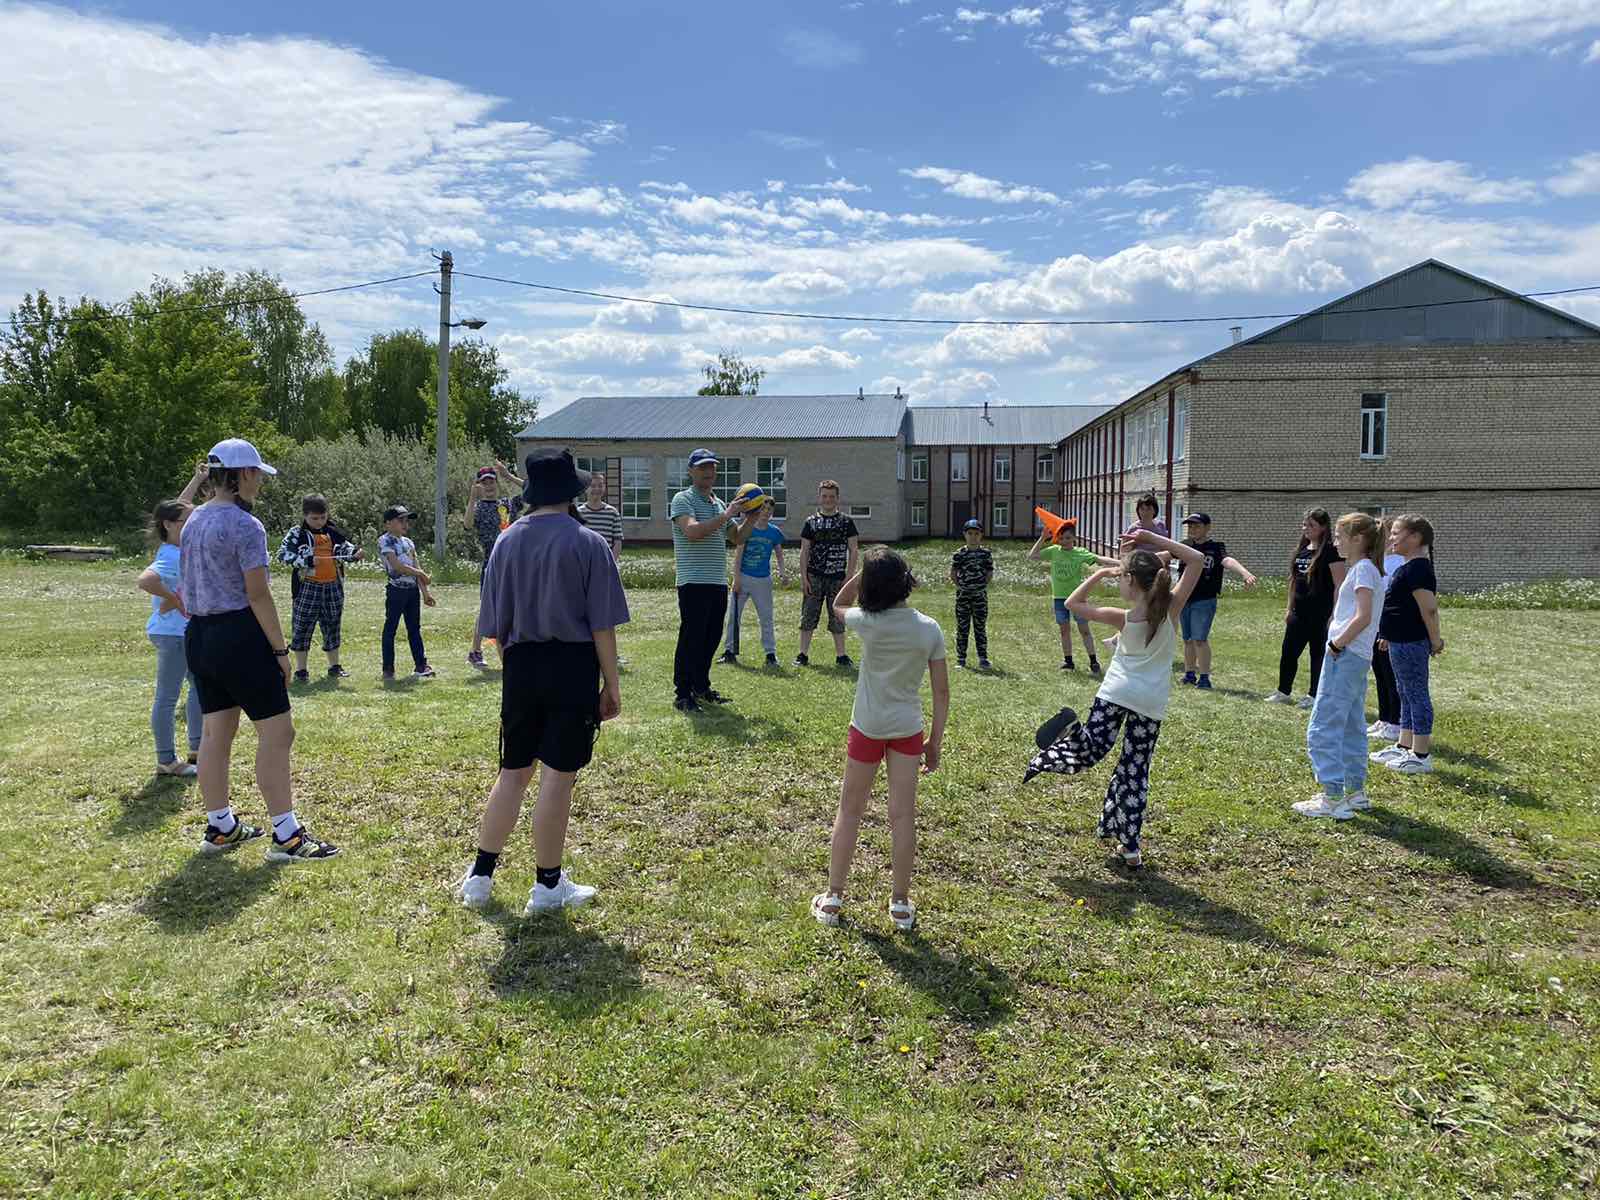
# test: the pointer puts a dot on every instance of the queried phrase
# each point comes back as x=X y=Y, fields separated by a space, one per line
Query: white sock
x=284 y=825
x=222 y=818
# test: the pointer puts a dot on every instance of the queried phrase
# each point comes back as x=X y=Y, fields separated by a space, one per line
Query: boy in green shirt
x=1069 y=563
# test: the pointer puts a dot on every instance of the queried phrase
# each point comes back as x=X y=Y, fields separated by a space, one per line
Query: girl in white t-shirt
x=1138 y=683
x=1336 y=739
x=898 y=646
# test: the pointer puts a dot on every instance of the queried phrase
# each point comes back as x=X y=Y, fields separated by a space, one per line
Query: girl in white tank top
x=1138 y=683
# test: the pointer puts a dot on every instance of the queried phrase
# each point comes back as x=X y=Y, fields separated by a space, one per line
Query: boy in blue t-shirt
x=752 y=580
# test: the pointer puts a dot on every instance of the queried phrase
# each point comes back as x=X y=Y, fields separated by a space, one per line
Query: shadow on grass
x=1490 y=791
x=209 y=890
x=1184 y=908
x=162 y=797
x=547 y=958
x=481 y=676
x=972 y=989
x=1467 y=758
x=1461 y=854
x=729 y=725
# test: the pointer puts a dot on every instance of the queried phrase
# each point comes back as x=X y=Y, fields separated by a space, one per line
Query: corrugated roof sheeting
x=713 y=418
x=1001 y=425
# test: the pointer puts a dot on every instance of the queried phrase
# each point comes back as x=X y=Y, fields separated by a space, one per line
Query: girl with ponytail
x=1138 y=683
x=1410 y=627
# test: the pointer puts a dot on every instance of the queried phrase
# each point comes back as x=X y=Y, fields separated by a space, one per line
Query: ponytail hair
x=1385 y=528
x=1419 y=525
x=1319 y=580
x=1365 y=529
x=1153 y=578
x=167 y=510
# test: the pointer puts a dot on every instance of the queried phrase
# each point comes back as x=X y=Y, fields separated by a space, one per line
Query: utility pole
x=442 y=442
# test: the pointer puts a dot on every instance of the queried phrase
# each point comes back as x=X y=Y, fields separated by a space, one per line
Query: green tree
x=290 y=356
x=730 y=375
x=389 y=390
x=491 y=411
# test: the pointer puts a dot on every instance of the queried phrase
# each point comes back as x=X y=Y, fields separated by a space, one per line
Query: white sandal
x=822 y=902
x=904 y=915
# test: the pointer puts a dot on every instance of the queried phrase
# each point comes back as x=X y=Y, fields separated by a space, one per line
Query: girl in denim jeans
x=165 y=630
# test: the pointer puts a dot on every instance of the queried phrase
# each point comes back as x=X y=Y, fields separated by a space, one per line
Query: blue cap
x=974 y=523
x=699 y=458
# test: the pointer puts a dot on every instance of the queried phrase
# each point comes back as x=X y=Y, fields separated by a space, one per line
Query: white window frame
x=1180 y=430
x=1374 y=428
x=633 y=498
x=861 y=512
x=900 y=464
x=675 y=474
x=1044 y=468
x=997 y=521
x=919 y=467
x=962 y=473
x=1002 y=459
x=767 y=477
x=1141 y=438
x=591 y=463
x=1161 y=425
x=919 y=514
x=728 y=479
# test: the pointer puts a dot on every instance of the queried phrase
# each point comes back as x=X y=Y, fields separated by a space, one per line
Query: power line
x=16 y=322
x=946 y=321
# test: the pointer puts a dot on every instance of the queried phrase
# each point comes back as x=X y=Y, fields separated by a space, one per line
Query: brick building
x=903 y=472
x=1431 y=391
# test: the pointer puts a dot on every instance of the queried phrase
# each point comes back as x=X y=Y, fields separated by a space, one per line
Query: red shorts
x=866 y=749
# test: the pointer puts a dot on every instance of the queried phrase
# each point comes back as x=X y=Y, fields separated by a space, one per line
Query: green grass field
x=1406 y=1005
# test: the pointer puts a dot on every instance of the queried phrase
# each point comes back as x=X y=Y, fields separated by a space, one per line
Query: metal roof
x=721 y=418
x=998 y=424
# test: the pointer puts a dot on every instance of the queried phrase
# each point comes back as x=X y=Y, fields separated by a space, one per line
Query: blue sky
x=895 y=157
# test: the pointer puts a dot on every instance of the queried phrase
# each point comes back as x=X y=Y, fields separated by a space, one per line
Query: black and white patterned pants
x=317 y=603
x=1082 y=744
x=972 y=608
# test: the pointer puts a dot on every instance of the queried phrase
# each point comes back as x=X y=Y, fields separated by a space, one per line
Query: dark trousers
x=701 y=607
x=1388 y=690
x=402 y=603
x=1306 y=628
x=972 y=611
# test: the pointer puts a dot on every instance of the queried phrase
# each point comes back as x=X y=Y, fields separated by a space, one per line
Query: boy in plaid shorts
x=317 y=550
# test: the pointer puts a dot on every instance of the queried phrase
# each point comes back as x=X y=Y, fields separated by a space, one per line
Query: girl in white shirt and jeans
x=1137 y=685
x=1336 y=739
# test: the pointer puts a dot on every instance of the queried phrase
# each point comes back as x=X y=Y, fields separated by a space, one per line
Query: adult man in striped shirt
x=700 y=554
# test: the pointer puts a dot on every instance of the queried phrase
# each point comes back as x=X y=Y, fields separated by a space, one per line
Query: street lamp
x=442 y=432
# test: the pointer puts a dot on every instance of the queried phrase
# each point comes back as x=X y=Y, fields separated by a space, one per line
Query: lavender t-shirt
x=220 y=542
x=549 y=579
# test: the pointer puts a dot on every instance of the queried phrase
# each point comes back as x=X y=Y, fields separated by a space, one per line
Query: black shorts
x=233 y=665
x=549 y=705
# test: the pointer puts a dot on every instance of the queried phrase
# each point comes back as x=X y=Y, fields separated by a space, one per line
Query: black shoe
x=1094 y=666
x=712 y=697
x=961 y=662
x=983 y=665
x=729 y=657
x=800 y=660
x=1050 y=732
x=686 y=704
x=300 y=847
x=1068 y=665
x=843 y=661
x=772 y=660
x=338 y=672
x=302 y=676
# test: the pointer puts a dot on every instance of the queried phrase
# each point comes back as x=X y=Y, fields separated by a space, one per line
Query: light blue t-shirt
x=171 y=624
x=705 y=561
x=756 y=559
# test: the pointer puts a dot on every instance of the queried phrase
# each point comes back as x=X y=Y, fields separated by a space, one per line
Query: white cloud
x=819 y=49
x=1023 y=17
x=1593 y=56
x=860 y=337
x=775 y=186
x=708 y=210
x=835 y=185
x=807 y=358
x=995 y=345
x=1426 y=181
x=972 y=186
x=680 y=189
x=599 y=202
x=1581 y=178
x=788 y=141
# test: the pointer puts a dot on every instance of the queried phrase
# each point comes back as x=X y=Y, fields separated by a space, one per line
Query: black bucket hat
x=553 y=478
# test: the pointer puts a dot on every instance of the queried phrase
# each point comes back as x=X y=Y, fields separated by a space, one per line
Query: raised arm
x=845 y=598
x=1039 y=546
x=1078 y=603
x=1191 y=558
x=202 y=472
x=697 y=531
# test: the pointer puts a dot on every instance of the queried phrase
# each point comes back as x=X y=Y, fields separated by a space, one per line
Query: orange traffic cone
x=1053 y=524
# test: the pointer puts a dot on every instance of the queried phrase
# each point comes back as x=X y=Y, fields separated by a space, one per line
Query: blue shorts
x=1065 y=614
x=1196 y=619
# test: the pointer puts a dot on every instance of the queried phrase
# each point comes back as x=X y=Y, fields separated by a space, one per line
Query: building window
x=919 y=467
x=1141 y=438
x=863 y=511
x=1376 y=511
x=729 y=480
x=1044 y=470
x=958 y=466
x=900 y=463
x=1001 y=518
x=1002 y=466
x=677 y=479
x=1161 y=433
x=635 y=494
x=1180 y=429
x=595 y=466
x=919 y=513
x=1374 y=424
x=773 y=476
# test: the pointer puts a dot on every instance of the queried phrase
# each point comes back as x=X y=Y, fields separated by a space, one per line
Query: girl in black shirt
x=1315 y=573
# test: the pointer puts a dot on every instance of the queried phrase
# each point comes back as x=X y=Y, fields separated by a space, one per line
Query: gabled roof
x=713 y=418
x=998 y=424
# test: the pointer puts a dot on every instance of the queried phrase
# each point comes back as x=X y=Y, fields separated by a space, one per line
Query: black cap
x=1197 y=519
x=396 y=510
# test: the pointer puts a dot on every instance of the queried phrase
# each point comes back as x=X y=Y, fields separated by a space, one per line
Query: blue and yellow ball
x=749 y=497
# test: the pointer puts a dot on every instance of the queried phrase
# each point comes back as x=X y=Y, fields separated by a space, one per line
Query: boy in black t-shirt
x=828 y=546
x=971 y=568
x=1201 y=610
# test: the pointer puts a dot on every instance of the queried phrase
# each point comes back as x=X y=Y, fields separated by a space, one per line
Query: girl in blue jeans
x=1410 y=629
x=165 y=629
x=1337 y=736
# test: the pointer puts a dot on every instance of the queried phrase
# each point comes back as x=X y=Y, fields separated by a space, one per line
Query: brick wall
x=978 y=493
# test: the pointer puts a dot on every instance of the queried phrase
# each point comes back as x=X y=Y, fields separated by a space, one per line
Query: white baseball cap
x=236 y=452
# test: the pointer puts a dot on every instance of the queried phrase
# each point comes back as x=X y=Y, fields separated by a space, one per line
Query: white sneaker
x=473 y=890
x=565 y=894
x=1375 y=729
x=1279 y=698
x=1305 y=701
x=1321 y=806
x=1357 y=802
x=1386 y=730
x=1410 y=764
x=1388 y=754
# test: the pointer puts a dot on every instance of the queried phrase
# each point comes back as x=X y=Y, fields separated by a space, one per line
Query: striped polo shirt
x=705 y=561
x=604 y=520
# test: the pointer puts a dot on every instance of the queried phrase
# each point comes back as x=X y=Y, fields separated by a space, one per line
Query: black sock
x=1420 y=753
x=485 y=863
x=547 y=876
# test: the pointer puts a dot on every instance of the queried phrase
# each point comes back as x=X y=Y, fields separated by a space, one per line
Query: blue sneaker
x=1204 y=683
x=1188 y=677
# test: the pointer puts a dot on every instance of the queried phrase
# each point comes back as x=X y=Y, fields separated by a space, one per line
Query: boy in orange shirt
x=317 y=550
